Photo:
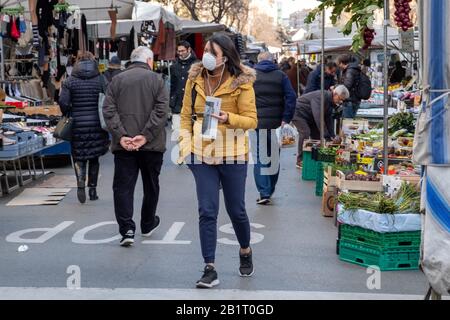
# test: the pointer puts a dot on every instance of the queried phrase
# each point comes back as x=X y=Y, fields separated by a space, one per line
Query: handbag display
x=63 y=129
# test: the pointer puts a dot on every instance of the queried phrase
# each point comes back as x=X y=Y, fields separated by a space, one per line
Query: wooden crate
x=354 y=185
x=51 y=110
x=411 y=179
x=328 y=179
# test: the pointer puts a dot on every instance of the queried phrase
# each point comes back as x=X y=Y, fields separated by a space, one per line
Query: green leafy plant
x=407 y=200
x=362 y=16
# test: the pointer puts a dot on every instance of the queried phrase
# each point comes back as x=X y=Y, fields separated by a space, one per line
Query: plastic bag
x=287 y=136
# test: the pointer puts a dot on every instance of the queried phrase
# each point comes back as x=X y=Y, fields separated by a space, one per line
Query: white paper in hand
x=209 y=125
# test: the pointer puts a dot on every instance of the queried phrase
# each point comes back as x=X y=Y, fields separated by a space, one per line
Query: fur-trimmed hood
x=248 y=76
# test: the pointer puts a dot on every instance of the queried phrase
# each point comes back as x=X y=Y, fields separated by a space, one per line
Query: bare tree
x=217 y=11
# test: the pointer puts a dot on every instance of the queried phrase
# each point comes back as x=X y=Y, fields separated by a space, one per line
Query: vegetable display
x=407 y=200
x=402 y=121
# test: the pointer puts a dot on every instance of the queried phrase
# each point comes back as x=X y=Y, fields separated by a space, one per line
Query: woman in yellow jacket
x=219 y=158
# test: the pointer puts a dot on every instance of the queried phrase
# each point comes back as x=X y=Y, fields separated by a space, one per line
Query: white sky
x=290 y=6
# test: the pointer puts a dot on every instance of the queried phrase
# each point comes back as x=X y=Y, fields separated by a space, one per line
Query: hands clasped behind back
x=133 y=144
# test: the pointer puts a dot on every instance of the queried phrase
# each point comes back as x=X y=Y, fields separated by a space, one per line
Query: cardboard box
x=328 y=201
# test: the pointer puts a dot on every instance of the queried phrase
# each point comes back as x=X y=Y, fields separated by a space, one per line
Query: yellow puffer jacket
x=238 y=100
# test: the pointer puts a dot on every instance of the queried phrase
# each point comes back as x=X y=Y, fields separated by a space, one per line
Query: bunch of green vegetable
x=407 y=200
x=343 y=168
x=328 y=151
x=400 y=121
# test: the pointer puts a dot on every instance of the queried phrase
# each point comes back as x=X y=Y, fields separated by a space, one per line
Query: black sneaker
x=153 y=229
x=127 y=239
x=263 y=201
x=209 y=278
x=246 y=268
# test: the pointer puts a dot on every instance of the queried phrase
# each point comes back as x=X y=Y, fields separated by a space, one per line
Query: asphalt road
x=294 y=249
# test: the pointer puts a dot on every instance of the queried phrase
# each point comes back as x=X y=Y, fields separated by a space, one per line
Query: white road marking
x=48 y=233
x=78 y=237
x=170 y=236
x=29 y=293
x=228 y=229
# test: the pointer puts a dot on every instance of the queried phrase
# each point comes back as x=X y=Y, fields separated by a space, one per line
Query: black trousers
x=126 y=171
x=306 y=131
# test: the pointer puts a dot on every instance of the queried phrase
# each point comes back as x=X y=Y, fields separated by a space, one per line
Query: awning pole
x=386 y=87
x=322 y=85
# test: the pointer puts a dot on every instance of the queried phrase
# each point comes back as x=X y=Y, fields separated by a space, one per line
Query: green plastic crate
x=321 y=165
x=309 y=170
x=381 y=241
x=386 y=260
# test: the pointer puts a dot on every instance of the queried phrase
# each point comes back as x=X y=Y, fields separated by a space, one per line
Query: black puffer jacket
x=350 y=78
x=79 y=95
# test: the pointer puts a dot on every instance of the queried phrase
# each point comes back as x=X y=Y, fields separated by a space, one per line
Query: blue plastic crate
x=9 y=151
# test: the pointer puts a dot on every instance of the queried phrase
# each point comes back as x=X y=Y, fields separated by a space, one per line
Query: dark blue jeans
x=207 y=179
x=350 y=110
x=266 y=177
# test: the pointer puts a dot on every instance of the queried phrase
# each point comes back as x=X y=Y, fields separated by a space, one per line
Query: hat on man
x=115 y=63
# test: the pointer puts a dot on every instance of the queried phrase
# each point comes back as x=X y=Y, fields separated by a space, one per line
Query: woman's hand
x=222 y=117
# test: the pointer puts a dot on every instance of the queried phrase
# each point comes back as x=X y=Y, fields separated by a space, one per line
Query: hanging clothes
x=165 y=45
x=130 y=44
x=122 y=49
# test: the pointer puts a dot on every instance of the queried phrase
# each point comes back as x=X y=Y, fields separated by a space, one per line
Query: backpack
x=364 y=88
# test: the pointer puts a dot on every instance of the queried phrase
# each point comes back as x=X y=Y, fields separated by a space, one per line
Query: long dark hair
x=233 y=63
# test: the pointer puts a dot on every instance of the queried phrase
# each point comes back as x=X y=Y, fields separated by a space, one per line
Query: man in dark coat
x=79 y=97
x=298 y=74
x=307 y=116
x=178 y=77
x=351 y=75
x=114 y=68
x=275 y=104
x=136 y=108
x=315 y=77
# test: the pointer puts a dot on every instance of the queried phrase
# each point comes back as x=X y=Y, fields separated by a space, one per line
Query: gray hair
x=266 y=55
x=141 y=54
x=342 y=91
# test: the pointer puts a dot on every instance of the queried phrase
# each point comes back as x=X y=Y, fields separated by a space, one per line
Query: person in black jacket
x=178 y=77
x=398 y=74
x=315 y=77
x=275 y=105
x=79 y=97
x=307 y=116
x=351 y=74
x=114 y=68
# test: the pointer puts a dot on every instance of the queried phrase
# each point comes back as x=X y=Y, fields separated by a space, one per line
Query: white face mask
x=209 y=62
